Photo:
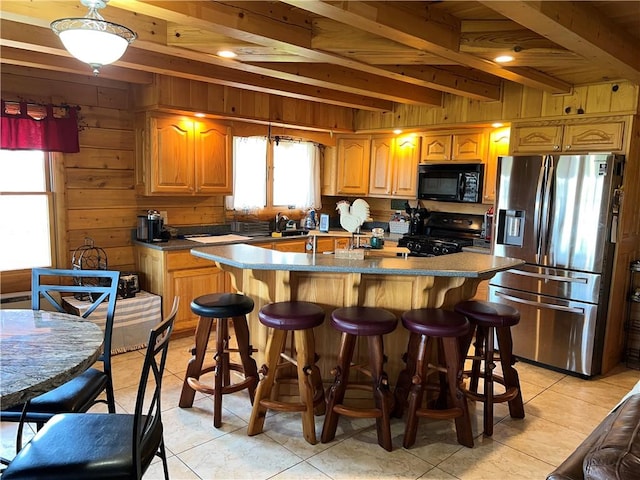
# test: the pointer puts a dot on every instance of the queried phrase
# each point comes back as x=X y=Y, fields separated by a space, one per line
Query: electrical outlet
x=165 y=217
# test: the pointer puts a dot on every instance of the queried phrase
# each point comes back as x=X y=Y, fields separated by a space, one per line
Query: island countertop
x=462 y=264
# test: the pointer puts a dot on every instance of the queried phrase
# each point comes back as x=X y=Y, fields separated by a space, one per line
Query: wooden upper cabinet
x=181 y=156
x=353 y=166
x=394 y=167
x=329 y=171
x=457 y=147
x=213 y=159
x=582 y=138
x=498 y=146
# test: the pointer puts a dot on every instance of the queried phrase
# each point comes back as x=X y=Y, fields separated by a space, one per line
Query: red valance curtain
x=28 y=129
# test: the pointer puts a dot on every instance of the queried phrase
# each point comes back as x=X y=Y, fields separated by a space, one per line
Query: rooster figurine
x=353 y=216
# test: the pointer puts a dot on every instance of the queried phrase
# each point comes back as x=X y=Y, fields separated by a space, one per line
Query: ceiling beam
x=180 y=64
x=385 y=19
x=579 y=27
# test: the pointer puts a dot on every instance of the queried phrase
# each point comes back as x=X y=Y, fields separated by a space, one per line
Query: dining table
x=41 y=350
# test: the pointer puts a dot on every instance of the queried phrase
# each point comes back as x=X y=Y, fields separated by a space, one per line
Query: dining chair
x=96 y=445
x=82 y=392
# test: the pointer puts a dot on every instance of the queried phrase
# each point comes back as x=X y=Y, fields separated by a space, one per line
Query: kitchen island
x=394 y=283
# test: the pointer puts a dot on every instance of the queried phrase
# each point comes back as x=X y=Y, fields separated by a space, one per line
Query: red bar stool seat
x=218 y=308
x=300 y=318
x=489 y=319
x=440 y=329
x=356 y=322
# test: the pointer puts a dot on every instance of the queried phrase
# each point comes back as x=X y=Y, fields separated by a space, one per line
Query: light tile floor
x=560 y=412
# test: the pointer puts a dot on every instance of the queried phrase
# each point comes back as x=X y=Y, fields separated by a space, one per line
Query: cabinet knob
x=556 y=147
x=568 y=147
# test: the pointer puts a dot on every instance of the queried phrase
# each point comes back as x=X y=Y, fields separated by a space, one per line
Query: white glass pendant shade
x=92 y=39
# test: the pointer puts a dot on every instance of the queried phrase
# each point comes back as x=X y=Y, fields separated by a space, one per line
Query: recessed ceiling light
x=227 y=54
x=497 y=125
x=504 y=59
x=199 y=115
x=397 y=131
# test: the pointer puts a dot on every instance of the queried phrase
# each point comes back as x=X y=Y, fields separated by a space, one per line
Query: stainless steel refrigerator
x=559 y=214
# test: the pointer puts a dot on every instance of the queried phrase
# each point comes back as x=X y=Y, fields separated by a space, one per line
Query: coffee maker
x=150 y=227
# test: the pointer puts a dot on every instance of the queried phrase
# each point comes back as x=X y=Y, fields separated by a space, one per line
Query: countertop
x=463 y=264
x=187 y=244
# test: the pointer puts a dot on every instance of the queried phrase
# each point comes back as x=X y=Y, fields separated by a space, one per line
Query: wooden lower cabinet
x=178 y=273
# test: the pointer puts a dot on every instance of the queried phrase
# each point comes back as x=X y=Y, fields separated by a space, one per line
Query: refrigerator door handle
x=579 y=311
x=547 y=206
x=537 y=215
x=545 y=276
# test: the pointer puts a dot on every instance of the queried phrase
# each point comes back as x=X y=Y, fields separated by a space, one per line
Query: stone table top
x=41 y=350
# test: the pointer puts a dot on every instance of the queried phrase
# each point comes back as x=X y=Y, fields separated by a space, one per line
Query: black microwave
x=451 y=182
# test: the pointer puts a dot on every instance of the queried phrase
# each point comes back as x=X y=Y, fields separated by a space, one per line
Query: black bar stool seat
x=300 y=318
x=491 y=319
x=218 y=308
x=354 y=322
x=433 y=328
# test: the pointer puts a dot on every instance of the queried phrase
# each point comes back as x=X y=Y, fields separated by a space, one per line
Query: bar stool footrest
x=507 y=396
x=283 y=406
x=356 y=412
x=444 y=414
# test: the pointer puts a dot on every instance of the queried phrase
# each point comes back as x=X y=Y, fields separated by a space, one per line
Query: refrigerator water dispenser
x=510 y=228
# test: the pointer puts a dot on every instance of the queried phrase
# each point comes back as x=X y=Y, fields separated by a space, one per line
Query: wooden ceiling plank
x=578 y=27
x=420 y=38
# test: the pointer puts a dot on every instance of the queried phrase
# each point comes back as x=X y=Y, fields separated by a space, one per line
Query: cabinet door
x=329 y=170
x=498 y=145
x=381 y=168
x=436 y=148
x=468 y=147
x=535 y=139
x=406 y=154
x=353 y=166
x=189 y=284
x=602 y=137
x=171 y=155
x=296 y=246
x=213 y=159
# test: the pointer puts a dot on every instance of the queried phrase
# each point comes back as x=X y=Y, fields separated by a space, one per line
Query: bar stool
x=440 y=329
x=300 y=318
x=356 y=322
x=218 y=308
x=491 y=319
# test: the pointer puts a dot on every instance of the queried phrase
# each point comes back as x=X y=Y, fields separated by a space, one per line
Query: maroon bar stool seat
x=489 y=319
x=218 y=308
x=356 y=322
x=440 y=329
x=300 y=318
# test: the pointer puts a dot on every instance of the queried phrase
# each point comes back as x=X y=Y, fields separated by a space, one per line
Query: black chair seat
x=222 y=305
x=363 y=321
x=66 y=449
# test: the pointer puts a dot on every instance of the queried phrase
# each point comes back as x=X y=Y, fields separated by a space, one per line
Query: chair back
x=147 y=422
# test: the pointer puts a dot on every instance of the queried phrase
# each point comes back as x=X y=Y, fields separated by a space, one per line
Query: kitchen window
x=274 y=174
x=26 y=210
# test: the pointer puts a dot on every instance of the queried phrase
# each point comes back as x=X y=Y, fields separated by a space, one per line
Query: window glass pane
x=22 y=171
x=250 y=172
x=292 y=174
x=25 y=239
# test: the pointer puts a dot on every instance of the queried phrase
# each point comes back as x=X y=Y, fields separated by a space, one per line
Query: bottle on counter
x=377 y=239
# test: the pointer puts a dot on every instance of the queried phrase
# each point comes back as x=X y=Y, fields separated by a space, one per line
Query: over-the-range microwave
x=451 y=182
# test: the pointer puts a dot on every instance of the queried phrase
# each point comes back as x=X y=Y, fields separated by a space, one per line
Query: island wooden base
x=396 y=293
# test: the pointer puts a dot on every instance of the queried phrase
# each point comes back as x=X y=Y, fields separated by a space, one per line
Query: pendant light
x=91 y=39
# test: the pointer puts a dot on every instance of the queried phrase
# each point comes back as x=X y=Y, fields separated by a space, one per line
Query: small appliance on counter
x=150 y=228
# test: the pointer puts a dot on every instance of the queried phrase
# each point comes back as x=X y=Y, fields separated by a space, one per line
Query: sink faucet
x=276 y=228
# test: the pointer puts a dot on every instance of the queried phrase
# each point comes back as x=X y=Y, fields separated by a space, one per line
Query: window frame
x=20 y=280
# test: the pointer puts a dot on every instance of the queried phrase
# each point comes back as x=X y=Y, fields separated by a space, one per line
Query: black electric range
x=444 y=233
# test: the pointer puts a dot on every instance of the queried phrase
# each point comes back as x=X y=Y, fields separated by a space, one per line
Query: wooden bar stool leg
x=335 y=393
x=194 y=367
x=249 y=367
x=416 y=393
x=221 y=377
x=478 y=355
x=381 y=392
x=510 y=374
x=305 y=359
x=403 y=385
x=454 y=362
x=275 y=345
x=489 y=365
